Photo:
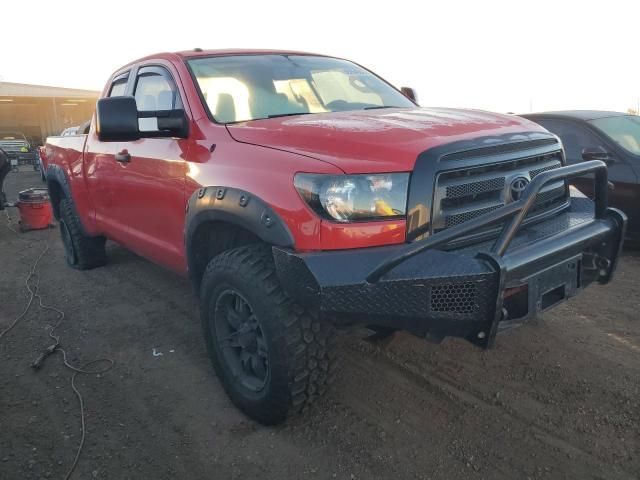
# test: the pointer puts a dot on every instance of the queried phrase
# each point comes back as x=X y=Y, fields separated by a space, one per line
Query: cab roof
x=198 y=52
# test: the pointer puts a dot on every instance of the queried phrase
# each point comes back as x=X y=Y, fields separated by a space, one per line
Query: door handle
x=123 y=156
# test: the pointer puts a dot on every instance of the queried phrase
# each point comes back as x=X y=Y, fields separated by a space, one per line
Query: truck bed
x=64 y=150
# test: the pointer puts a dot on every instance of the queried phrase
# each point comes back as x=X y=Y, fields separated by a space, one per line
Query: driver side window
x=155 y=90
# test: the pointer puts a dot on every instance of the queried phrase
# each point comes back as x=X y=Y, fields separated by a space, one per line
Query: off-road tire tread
x=90 y=252
x=311 y=360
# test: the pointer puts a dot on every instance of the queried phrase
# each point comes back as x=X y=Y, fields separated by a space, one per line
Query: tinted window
x=155 y=90
x=624 y=130
x=574 y=137
x=118 y=87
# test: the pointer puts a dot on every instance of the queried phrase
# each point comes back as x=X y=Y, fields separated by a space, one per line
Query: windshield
x=624 y=130
x=249 y=87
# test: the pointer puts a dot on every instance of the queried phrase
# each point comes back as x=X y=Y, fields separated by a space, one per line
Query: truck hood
x=382 y=140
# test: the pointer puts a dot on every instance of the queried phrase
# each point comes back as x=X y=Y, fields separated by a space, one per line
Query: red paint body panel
x=67 y=153
x=102 y=177
x=335 y=236
x=141 y=204
x=266 y=173
x=152 y=185
x=373 y=141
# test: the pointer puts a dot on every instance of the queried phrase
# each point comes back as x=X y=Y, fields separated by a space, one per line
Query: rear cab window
x=119 y=85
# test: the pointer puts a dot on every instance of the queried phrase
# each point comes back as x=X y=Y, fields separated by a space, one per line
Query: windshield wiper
x=276 y=115
x=376 y=107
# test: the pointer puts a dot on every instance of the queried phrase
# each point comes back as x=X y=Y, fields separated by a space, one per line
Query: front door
x=153 y=177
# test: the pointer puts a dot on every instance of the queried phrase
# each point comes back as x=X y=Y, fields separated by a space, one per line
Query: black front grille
x=501 y=149
x=464 y=194
x=474 y=188
x=458 y=218
x=536 y=171
x=549 y=195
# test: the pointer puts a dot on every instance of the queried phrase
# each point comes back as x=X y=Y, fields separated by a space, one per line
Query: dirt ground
x=559 y=398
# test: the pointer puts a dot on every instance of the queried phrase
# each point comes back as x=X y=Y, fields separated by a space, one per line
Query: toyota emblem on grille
x=517 y=187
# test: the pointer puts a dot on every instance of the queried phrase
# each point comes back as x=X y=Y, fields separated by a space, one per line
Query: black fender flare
x=237 y=207
x=56 y=177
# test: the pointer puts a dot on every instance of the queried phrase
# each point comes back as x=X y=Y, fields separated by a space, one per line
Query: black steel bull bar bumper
x=427 y=288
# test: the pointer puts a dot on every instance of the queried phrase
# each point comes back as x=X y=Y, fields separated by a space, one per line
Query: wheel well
x=211 y=239
x=56 y=194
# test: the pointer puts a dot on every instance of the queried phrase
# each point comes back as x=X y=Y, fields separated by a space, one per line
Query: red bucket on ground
x=35 y=209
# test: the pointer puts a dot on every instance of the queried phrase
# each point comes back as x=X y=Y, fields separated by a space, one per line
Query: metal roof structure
x=8 y=89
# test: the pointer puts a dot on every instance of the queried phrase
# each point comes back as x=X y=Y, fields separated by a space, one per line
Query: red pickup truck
x=302 y=192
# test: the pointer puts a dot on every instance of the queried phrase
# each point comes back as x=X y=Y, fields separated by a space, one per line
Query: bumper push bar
x=430 y=290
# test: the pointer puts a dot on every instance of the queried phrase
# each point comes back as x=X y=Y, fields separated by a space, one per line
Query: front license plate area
x=554 y=284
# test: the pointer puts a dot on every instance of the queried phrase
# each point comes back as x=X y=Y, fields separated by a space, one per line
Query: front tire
x=81 y=251
x=271 y=355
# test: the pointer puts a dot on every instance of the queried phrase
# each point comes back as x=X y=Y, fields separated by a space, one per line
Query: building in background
x=38 y=111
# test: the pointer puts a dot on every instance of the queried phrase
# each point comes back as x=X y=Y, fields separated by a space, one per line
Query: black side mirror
x=171 y=123
x=596 y=153
x=410 y=93
x=117 y=119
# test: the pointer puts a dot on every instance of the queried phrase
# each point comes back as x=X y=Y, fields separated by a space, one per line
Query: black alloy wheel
x=241 y=339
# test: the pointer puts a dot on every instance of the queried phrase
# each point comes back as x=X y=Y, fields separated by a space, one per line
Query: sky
x=504 y=56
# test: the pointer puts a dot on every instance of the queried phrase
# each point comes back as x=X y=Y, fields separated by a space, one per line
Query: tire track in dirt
x=444 y=401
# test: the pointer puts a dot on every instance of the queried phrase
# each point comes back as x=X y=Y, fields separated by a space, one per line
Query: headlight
x=353 y=198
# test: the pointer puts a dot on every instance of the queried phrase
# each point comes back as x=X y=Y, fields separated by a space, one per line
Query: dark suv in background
x=613 y=137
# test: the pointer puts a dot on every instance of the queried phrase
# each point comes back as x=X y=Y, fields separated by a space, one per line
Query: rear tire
x=271 y=355
x=81 y=251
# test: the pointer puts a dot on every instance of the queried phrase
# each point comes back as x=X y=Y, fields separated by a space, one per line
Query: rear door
x=104 y=175
x=153 y=178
